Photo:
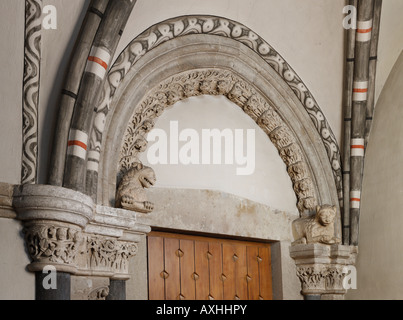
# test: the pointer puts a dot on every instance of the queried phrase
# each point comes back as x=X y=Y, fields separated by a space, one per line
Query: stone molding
x=63 y=228
x=183 y=26
x=226 y=83
x=322 y=268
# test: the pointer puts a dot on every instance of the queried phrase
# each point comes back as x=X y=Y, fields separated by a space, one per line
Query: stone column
x=322 y=269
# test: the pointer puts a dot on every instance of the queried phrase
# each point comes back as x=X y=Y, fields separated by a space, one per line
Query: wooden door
x=197 y=268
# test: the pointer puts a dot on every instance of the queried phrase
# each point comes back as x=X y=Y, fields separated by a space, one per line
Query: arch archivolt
x=241 y=37
x=220 y=82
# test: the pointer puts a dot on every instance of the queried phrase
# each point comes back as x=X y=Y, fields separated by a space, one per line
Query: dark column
x=312 y=297
x=58 y=291
x=117 y=290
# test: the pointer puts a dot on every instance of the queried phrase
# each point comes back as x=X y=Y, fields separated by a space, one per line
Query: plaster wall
x=12 y=70
x=16 y=282
x=390 y=41
x=379 y=264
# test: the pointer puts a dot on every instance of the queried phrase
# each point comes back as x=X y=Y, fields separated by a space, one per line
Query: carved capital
x=323 y=268
x=54 y=244
x=106 y=256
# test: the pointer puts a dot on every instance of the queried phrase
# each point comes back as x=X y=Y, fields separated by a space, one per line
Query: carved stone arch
x=131 y=85
x=242 y=93
x=186 y=43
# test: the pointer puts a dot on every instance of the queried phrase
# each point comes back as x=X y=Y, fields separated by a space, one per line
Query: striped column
x=98 y=61
x=357 y=148
x=355 y=199
x=103 y=47
x=77 y=144
x=359 y=107
x=75 y=71
x=364 y=31
x=360 y=91
x=93 y=160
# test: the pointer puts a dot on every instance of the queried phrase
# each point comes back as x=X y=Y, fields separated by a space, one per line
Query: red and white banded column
x=77 y=144
x=364 y=31
x=98 y=62
x=355 y=199
x=357 y=147
x=360 y=91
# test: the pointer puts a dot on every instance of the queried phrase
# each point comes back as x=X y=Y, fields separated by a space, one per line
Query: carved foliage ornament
x=216 y=82
x=319 y=279
x=182 y=26
x=53 y=244
x=108 y=254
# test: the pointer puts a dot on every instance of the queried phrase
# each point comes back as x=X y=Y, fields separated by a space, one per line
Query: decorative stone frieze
x=323 y=268
x=218 y=82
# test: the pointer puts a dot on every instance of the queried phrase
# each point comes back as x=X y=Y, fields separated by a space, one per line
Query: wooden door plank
x=202 y=270
x=241 y=272
x=172 y=283
x=156 y=284
x=253 y=273
x=187 y=267
x=215 y=267
x=229 y=271
x=266 y=289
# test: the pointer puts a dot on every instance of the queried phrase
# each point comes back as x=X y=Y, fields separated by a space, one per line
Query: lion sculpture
x=316 y=229
x=131 y=193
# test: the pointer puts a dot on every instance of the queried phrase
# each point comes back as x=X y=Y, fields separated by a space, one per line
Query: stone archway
x=228 y=67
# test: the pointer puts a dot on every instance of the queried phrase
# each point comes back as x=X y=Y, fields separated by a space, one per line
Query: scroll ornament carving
x=316 y=229
x=31 y=82
x=109 y=255
x=52 y=244
x=217 y=82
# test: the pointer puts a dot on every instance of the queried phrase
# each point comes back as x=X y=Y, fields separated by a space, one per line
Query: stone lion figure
x=316 y=229
x=131 y=193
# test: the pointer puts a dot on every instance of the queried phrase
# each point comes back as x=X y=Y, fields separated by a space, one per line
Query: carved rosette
x=104 y=256
x=53 y=244
x=218 y=82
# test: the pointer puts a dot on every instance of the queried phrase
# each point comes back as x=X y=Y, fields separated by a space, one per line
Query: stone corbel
x=323 y=268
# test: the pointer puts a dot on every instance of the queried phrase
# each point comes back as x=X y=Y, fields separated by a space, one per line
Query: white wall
x=16 y=282
x=269 y=184
x=380 y=259
x=390 y=41
x=11 y=77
